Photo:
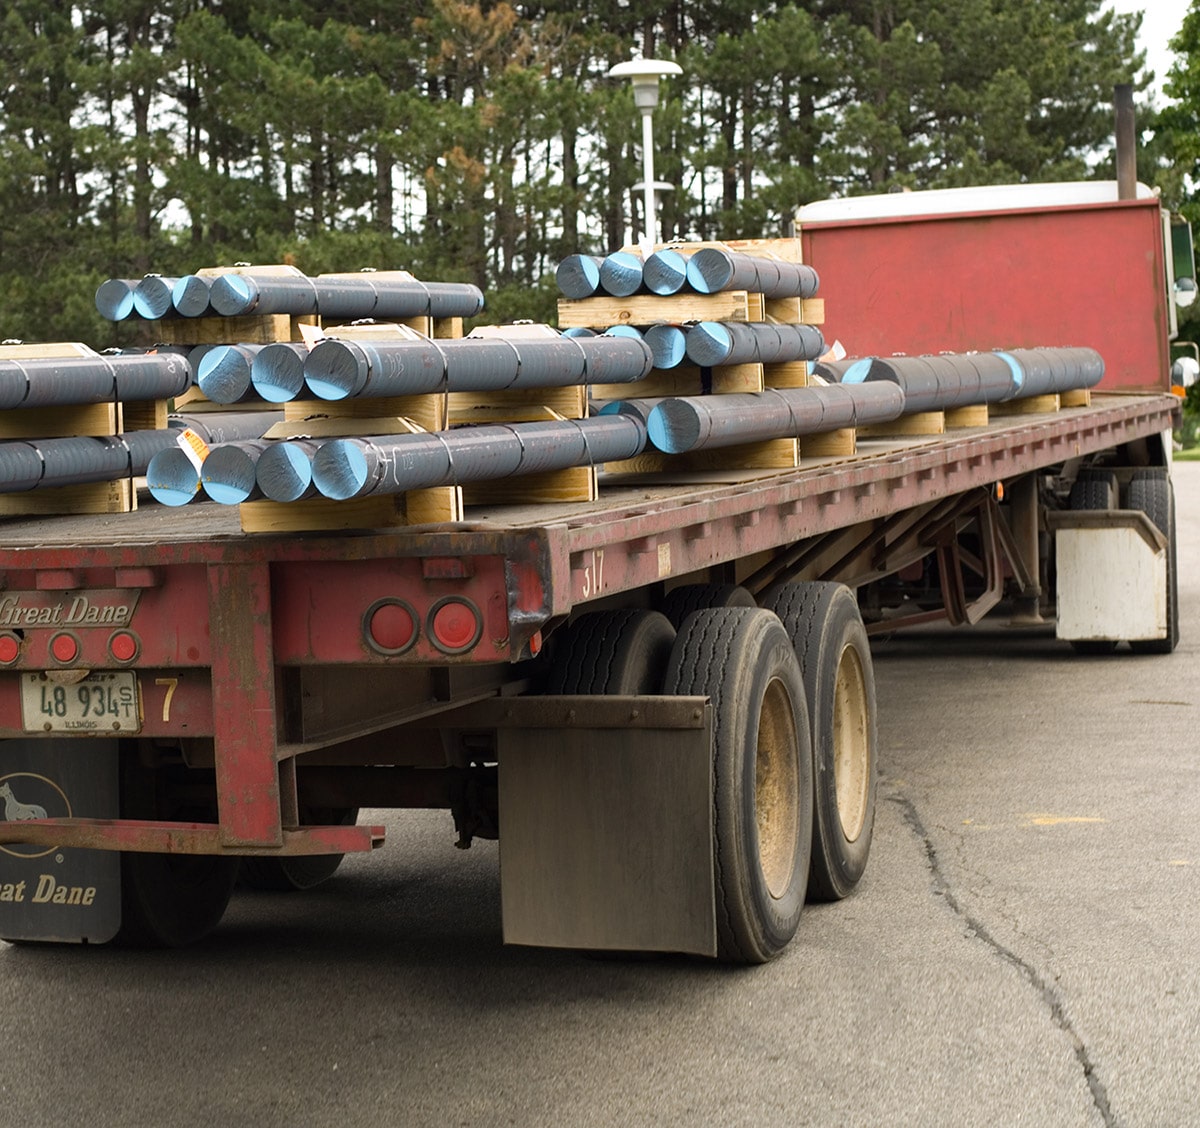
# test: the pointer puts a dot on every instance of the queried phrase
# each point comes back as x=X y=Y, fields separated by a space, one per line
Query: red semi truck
x=661 y=700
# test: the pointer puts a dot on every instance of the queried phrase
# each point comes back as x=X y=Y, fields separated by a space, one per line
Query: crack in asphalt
x=1049 y=995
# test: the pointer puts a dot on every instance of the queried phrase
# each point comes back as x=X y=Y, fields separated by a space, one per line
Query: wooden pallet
x=1028 y=405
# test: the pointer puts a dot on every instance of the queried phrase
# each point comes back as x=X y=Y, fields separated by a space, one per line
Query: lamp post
x=644 y=74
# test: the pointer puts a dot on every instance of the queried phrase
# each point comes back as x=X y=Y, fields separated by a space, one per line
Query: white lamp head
x=645 y=73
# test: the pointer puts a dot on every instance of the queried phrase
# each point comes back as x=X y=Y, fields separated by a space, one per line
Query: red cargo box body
x=996 y=277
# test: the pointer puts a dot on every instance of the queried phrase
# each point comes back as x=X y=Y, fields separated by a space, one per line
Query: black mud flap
x=54 y=894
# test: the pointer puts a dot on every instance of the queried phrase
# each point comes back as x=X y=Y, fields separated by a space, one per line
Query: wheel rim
x=851 y=744
x=776 y=788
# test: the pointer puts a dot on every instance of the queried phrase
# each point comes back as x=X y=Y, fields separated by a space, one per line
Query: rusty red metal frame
x=580 y=554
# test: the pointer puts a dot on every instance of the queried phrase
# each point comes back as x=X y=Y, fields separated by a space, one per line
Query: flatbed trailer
x=662 y=698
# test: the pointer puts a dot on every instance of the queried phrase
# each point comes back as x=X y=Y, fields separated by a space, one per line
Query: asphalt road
x=1022 y=950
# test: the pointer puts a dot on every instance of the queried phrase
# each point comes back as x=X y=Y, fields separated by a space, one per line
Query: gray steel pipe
x=621 y=274
x=691 y=423
x=578 y=276
x=668 y=344
x=228 y=473
x=114 y=298
x=688 y=423
x=713 y=270
x=235 y=295
x=284 y=470
x=346 y=468
x=1041 y=372
x=277 y=371
x=224 y=373
x=64 y=381
x=664 y=272
x=152 y=297
x=711 y=343
x=951 y=380
x=338 y=369
x=833 y=370
x=638 y=408
x=189 y=296
x=172 y=477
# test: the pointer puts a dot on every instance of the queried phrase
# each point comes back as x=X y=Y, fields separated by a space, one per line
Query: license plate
x=101 y=702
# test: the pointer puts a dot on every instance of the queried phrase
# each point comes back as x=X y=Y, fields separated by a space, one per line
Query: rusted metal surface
x=1091 y=275
x=243 y=679
x=521 y=567
x=141 y=836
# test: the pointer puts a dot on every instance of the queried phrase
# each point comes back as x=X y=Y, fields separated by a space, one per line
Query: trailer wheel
x=1094 y=489
x=831 y=644
x=680 y=602
x=612 y=652
x=168 y=900
x=742 y=659
x=298 y=872
x=1151 y=492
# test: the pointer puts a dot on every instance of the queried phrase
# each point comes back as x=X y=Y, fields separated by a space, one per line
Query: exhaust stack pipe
x=1126 y=142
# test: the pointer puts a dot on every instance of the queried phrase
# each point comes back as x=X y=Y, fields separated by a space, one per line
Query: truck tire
x=1151 y=492
x=298 y=872
x=680 y=602
x=831 y=645
x=612 y=652
x=1094 y=489
x=168 y=900
x=743 y=661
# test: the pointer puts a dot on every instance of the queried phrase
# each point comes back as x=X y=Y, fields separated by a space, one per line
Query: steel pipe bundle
x=1043 y=372
x=712 y=343
x=578 y=276
x=173 y=475
x=63 y=381
x=28 y=464
x=337 y=369
x=678 y=425
x=277 y=371
x=664 y=272
x=712 y=270
x=78 y=460
x=224 y=373
x=337 y=296
x=284 y=470
x=346 y=468
x=621 y=274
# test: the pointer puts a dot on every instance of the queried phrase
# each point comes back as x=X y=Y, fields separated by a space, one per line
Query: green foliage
x=484 y=141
